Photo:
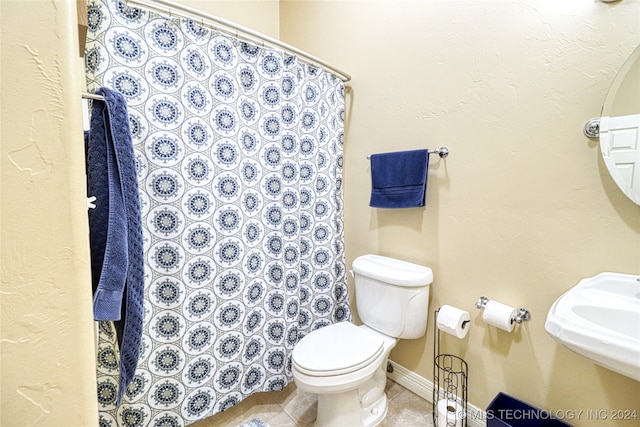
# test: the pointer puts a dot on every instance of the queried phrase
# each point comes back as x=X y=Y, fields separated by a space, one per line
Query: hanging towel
x=399 y=179
x=115 y=228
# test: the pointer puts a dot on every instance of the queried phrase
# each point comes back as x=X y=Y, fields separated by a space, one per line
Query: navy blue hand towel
x=399 y=179
x=115 y=227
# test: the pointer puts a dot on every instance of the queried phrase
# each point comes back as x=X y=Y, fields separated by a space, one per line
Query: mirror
x=619 y=128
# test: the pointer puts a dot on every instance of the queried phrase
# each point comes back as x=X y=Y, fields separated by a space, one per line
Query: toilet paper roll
x=453 y=321
x=499 y=315
x=450 y=413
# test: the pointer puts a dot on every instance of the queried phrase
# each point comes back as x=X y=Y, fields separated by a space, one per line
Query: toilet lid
x=336 y=349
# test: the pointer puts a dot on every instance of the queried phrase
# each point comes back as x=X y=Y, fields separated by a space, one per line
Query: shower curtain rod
x=171 y=8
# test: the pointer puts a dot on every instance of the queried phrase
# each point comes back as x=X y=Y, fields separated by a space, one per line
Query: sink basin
x=599 y=319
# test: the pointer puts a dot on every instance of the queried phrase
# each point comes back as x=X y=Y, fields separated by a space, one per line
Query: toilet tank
x=392 y=296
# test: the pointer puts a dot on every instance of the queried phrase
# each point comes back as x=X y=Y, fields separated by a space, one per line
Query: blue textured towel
x=117 y=259
x=399 y=180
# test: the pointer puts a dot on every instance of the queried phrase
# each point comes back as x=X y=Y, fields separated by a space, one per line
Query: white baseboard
x=424 y=388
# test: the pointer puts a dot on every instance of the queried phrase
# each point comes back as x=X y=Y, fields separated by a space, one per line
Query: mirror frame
x=626 y=184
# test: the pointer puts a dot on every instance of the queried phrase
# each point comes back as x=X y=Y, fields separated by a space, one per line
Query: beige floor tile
x=408 y=409
x=301 y=407
x=392 y=389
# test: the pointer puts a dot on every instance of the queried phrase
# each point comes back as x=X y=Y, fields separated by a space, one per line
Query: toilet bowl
x=345 y=364
x=335 y=363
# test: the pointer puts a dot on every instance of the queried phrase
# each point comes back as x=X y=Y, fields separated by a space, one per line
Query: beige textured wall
x=523 y=207
x=624 y=95
x=47 y=353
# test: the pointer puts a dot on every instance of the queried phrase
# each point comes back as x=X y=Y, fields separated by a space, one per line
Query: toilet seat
x=337 y=349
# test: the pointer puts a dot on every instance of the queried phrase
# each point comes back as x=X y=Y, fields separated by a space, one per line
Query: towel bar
x=442 y=152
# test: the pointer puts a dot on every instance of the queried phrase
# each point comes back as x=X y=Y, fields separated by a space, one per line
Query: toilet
x=345 y=364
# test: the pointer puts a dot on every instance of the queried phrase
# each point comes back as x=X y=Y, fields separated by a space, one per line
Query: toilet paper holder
x=522 y=314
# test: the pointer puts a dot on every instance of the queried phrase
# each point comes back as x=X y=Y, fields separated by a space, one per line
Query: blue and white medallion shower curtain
x=239 y=162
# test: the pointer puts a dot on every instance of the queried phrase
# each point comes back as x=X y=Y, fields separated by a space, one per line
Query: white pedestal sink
x=599 y=319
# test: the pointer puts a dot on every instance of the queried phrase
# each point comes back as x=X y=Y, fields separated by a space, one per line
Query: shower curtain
x=239 y=162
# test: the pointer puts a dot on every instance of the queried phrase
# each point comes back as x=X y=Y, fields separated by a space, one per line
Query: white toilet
x=345 y=364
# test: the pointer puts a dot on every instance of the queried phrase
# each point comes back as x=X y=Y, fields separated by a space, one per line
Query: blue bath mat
x=254 y=423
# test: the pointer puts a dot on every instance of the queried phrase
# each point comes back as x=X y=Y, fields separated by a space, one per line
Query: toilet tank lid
x=393 y=271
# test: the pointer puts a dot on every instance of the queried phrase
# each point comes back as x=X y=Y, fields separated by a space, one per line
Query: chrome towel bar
x=442 y=152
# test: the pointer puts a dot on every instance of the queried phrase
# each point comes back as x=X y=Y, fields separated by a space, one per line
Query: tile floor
x=293 y=408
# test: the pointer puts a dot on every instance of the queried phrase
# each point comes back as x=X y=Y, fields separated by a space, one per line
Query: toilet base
x=375 y=413
x=339 y=409
x=344 y=409
x=365 y=406
x=373 y=406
